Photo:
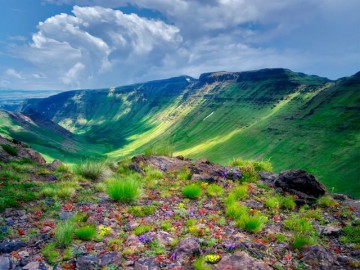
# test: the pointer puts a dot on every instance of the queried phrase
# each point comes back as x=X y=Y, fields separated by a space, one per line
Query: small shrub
x=351 y=235
x=153 y=174
x=63 y=234
x=327 y=201
x=86 y=232
x=215 y=190
x=50 y=253
x=192 y=191
x=123 y=190
x=142 y=229
x=9 y=149
x=141 y=211
x=302 y=240
x=90 y=169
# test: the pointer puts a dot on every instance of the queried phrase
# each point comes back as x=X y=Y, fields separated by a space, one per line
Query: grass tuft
x=123 y=190
x=10 y=150
x=192 y=191
x=90 y=169
x=86 y=232
x=63 y=234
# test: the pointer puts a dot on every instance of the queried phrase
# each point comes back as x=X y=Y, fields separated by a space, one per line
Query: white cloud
x=13 y=73
x=94 y=39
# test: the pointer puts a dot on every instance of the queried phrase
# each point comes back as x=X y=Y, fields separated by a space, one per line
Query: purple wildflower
x=230 y=246
x=173 y=256
x=145 y=238
x=191 y=213
x=4 y=228
x=169 y=213
x=10 y=222
x=201 y=252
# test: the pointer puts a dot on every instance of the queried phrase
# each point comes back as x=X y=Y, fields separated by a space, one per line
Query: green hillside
x=293 y=119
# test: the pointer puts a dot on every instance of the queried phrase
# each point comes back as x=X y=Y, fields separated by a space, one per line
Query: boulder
x=300 y=183
x=186 y=248
x=165 y=164
x=10 y=246
x=5 y=263
x=55 y=164
x=268 y=177
x=146 y=264
x=136 y=168
x=241 y=261
x=318 y=257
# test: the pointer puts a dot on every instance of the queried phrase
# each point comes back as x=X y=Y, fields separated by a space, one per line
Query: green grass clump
x=164 y=149
x=10 y=150
x=200 y=264
x=153 y=174
x=241 y=192
x=215 y=190
x=299 y=224
x=141 y=211
x=63 y=234
x=250 y=168
x=327 y=201
x=236 y=211
x=86 y=232
x=90 y=169
x=51 y=253
x=288 y=203
x=192 y=191
x=123 y=190
x=303 y=240
x=273 y=202
x=65 y=192
x=351 y=235
x=142 y=229
x=252 y=223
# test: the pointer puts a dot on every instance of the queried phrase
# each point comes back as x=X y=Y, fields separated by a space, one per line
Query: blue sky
x=71 y=44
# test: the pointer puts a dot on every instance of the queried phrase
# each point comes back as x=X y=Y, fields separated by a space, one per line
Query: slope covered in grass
x=294 y=119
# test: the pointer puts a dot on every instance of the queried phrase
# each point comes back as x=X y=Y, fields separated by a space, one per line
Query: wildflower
x=230 y=246
x=103 y=230
x=173 y=256
x=191 y=213
x=145 y=238
x=212 y=258
x=10 y=222
x=4 y=228
x=169 y=213
x=181 y=205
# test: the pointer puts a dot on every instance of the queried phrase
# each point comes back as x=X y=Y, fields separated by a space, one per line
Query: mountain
x=293 y=119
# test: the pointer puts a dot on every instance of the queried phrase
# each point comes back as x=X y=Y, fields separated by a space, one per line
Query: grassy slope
x=296 y=120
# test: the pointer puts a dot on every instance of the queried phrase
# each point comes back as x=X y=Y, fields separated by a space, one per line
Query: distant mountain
x=294 y=119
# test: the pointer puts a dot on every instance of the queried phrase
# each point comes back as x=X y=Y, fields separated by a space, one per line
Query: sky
x=84 y=44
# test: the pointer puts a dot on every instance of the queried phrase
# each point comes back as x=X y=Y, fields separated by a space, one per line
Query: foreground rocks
x=241 y=261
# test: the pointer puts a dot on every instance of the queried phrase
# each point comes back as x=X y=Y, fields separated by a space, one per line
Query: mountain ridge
x=293 y=118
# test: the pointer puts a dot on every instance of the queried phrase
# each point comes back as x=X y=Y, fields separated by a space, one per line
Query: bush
x=86 y=232
x=192 y=191
x=63 y=234
x=215 y=190
x=10 y=150
x=327 y=201
x=90 y=169
x=125 y=190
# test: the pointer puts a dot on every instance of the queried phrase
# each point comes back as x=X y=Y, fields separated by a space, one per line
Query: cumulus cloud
x=13 y=73
x=98 y=45
x=77 y=48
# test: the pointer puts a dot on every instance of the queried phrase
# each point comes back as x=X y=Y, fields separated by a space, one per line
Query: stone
x=5 y=263
x=109 y=258
x=10 y=246
x=32 y=266
x=65 y=215
x=268 y=177
x=55 y=164
x=318 y=257
x=329 y=230
x=186 y=247
x=136 y=168
x=146 y=264
x=133 y=242
x=241 y=261
x=300 y=183
x=87 y=262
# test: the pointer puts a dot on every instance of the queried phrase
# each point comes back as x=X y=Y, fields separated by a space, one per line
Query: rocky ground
x=162 y=228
